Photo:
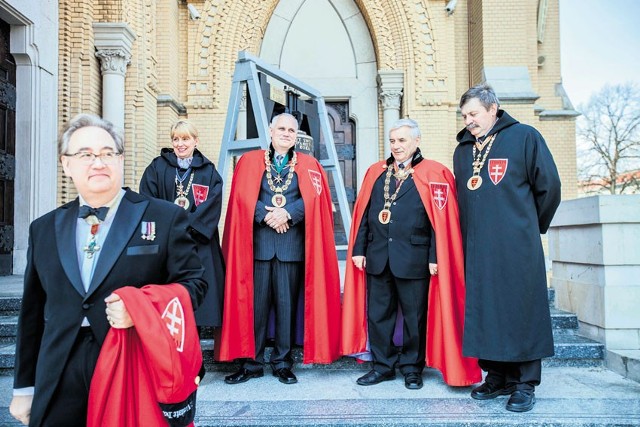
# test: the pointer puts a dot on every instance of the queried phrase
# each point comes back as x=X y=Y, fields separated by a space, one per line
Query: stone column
x=593 y=245
x=390 y=86
x=113 y=41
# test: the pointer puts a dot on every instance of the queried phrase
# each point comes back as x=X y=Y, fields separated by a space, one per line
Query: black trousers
x=276 y=284
x=522 y=375
x=384 y=293
x=68 y=407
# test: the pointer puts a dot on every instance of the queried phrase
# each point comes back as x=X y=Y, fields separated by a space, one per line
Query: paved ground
x=567 y=397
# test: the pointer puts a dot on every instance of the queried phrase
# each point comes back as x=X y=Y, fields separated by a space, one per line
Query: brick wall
x=191 y=62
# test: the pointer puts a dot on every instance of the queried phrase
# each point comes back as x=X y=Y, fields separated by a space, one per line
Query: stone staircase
x=571 y=349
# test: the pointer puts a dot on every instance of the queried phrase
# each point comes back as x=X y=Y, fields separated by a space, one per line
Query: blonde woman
x=184 y=176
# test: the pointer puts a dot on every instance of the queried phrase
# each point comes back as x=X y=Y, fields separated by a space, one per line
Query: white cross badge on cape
x=497 y=169
x=440 y=193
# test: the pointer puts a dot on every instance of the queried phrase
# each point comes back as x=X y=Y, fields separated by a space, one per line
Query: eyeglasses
x=87 y=158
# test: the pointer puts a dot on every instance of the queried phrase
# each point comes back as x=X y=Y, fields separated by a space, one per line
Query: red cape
x=145 y=365
x=322 y=279
x=445 y=315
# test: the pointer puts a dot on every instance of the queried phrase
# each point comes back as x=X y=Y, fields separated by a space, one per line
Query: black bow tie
x=100 y=213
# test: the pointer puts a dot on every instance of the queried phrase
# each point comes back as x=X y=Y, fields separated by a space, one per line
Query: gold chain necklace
x=182 y=199
x=475 y=181
x=401 y=175
x=279 y=200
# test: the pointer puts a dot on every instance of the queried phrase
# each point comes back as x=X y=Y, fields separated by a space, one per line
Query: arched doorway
x=327 y=45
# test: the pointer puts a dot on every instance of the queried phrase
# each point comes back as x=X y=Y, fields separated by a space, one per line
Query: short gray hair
x=277 y=117
x=484 y=93
x=89 y=120
x=410 y=123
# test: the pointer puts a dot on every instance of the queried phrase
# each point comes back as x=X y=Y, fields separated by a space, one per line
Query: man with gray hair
x=280 y=258
x=79 y=256
x=404 y=240
x=508 y=191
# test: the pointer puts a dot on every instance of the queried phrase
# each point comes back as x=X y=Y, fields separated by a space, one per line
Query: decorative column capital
x=113 y=61
x=391 y=99
x=390 y=87
x=113 y=42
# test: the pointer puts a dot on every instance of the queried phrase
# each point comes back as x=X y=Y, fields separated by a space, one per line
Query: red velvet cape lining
x=445 y=315
x=141 y=366
x=322 y=279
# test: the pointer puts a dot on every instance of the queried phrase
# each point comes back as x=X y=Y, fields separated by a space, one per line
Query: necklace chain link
x=477 y=163
x=401 y=175
x=269 y=166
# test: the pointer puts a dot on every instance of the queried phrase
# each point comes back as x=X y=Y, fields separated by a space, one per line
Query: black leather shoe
x=413 y=381
x=243 y=375
x=488 y=391
x=285 y=376
x=374 y=377
x=521 y=401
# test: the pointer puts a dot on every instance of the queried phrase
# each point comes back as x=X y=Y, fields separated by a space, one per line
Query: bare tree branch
x=609 y=141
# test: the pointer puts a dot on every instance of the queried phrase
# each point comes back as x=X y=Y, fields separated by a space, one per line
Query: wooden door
x=7 y=149
x=344 y=138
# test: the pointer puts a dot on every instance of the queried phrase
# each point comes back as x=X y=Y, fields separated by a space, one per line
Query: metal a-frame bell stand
x=252 y=71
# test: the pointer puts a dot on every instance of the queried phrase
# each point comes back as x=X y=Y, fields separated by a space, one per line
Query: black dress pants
x=524 y=376
x=68 y=407
x=276 y=284
x=384 y=293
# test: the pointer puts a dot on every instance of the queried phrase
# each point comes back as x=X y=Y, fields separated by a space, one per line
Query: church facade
x=144 y=64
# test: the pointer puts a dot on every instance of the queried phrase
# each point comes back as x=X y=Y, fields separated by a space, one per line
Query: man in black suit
x=280 y=252
x=396 y=246
x=107 y=238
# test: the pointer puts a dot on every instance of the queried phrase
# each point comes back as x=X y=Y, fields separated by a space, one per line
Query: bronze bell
x=304 y=143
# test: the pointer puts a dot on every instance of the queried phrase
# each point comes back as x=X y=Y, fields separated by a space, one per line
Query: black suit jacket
x=407 y=243
x=55 y=302
x=267 y=243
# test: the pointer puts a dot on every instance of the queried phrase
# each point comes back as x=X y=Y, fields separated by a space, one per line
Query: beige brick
x=192 y=63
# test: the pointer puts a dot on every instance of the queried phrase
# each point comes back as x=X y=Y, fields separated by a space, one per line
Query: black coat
x=55 y=302
x=407 y=242
x=507 y=308
x=158 y=181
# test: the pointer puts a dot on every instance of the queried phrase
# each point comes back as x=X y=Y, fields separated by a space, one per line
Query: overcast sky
x=600 y=43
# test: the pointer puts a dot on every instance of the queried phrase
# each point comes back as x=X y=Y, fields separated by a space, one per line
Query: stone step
x=8 y=328
x=10 y=305
x=560 y=320
x=551 y=292
x=563 y=320
x=570 y=350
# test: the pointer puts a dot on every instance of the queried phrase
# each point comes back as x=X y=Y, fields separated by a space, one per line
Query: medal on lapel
x=148 y=229
x=92 y=246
